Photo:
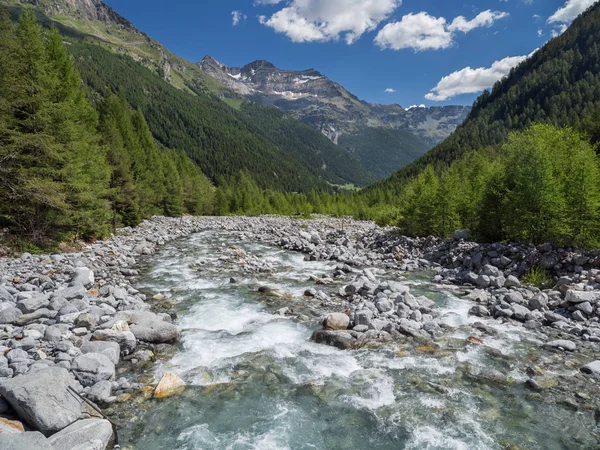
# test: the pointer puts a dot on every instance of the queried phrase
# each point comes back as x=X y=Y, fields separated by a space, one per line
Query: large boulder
x=340 y=339
x=125 y=339
x=91 y=434
x=562 y=344
x=337 y=321
x=169 y=385
x=149 y=327
x=43 y=399
x=573 y=296
x=107 y=348
x=31 y=440
x=90 y=368
x=83 y=276
x=34 y=303
x=592 y=369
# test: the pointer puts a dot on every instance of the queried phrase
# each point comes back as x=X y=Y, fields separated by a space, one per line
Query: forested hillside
x=72 y=168
x=558 y=85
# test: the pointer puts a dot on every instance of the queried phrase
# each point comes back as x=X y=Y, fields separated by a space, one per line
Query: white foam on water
x=430 y=438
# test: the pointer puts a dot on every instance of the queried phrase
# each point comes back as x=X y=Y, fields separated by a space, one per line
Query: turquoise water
x=256 y=382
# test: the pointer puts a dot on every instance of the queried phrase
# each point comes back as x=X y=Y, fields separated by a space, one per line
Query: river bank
x=366 y=294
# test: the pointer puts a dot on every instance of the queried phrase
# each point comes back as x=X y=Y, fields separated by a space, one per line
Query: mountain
x=182 y=106
x=383 y=137
x=559 y=85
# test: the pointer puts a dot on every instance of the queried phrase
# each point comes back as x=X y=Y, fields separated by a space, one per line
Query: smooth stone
x=47 y=410
x=90 y=368
x=337 y=321
x=149 y=327
x=95 y=434
x=574 y=296
x=562 y=344
x=83 y=276
x=107 y=348
x=170 y=384
x=31 y=440
x=592 y=368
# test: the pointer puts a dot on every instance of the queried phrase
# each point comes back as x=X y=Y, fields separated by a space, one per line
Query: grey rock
x=10 y=315
x=562 y=344
x=479 y=311
x=483 y=281
x=125 y=339
x=479 y=295
x=73 y=292
x=574 y=296
x=82 y=276
x=30 y=440
x=149 y=327
x=384 y=305
x=43 y=399
x=43 y=313
x=337 y=321
x=110 y=349
x=95 y=434
x=539 y=301
x=363 y=317
x=578 y=316
x=340 y=339
x=585 y=308
x=90 y=368
x=490 y=271
x=512 y=281
x=86 y=320
x=593 y=369
x=520 y=312
x=34 y=303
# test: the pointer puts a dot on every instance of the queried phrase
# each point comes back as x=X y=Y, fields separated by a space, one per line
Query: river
x=255 y=381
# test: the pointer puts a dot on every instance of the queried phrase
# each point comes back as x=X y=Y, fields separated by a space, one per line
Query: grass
x=538 y=276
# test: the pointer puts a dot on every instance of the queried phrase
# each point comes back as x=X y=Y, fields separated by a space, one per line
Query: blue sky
x=432 y=52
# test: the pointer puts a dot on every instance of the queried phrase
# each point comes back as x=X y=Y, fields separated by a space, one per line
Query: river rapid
x=256 y=381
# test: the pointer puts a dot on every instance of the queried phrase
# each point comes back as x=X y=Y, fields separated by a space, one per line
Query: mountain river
x=255 y=381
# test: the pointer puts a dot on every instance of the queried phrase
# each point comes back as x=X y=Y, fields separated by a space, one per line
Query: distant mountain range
x=384 y=137
x=377 y=139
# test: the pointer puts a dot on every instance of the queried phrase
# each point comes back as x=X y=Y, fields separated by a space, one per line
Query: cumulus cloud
x=237 y=17
x=560 y=29
x=484 y=19
x=422 y=31
x=471 y=81
x=570 y=11
x=390 y=90
x=417 y=31
x=328 y=20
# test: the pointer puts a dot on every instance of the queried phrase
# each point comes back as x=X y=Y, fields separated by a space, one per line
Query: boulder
x=562 y=344
x=170 y=384
x=110 y=349
x=340 y=339
x=539 y=301
x=520 y=312
x=100 y=392
x=149 y=327
x=31 y=440
x=91 y=434
x=337 y=321
x=574 y=296
x=82 y=276
x=10 y=315
x=34 y=303
x=90 y=368
x=125 y=339
x=592 y=369
x=479 y=311
x=43 y=399
x=512 y=281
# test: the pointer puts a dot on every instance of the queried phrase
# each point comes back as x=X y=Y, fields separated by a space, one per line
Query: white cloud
x=422 y=31
x=471 y=81
x=484 y=19
x=328 y=20
x=390 y=90
x=417 y=31
x=415 y=106
x=540 y=33
x=570 y=11
x=237 y=17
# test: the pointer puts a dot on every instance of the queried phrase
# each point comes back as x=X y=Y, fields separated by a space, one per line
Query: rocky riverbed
x=101 y=328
